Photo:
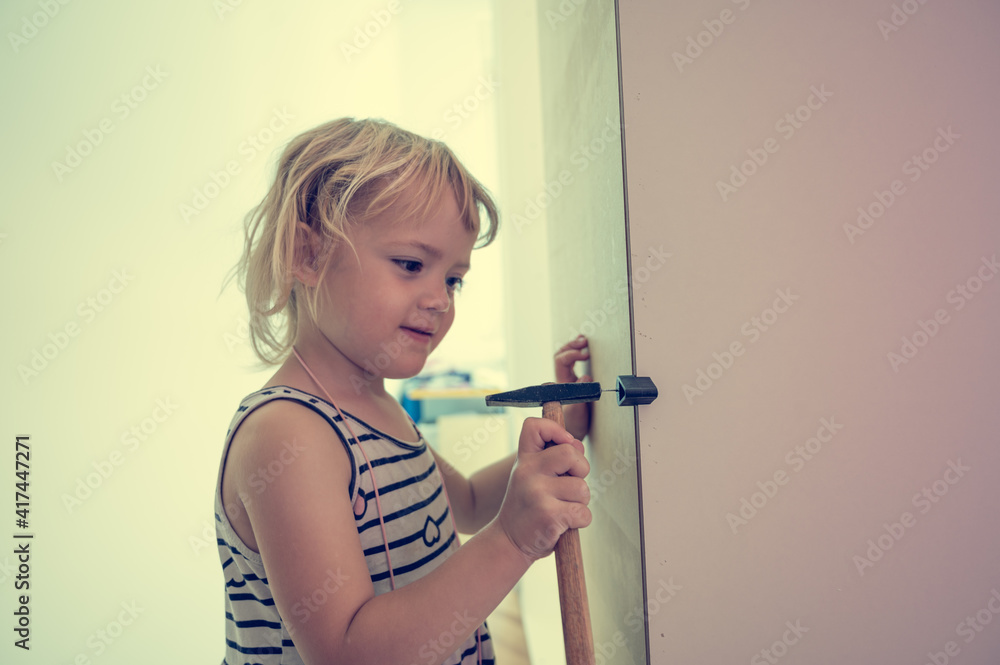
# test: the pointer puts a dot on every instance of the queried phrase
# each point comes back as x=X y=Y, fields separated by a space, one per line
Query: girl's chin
x=384 y=367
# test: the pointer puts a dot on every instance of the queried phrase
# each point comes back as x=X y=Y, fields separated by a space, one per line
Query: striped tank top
x=418 y=527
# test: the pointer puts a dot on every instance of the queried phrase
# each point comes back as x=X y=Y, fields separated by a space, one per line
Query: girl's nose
x=437 y=299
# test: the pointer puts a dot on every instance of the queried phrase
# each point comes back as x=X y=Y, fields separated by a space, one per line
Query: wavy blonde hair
x=330 y=177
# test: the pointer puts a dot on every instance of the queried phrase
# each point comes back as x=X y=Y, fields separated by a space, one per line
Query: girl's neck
x=379 y=410
x=323 y=368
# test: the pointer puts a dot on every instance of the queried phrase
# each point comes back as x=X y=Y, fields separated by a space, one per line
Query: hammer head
x=564 y=393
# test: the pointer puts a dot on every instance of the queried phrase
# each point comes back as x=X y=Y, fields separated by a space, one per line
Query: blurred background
x=137 y=136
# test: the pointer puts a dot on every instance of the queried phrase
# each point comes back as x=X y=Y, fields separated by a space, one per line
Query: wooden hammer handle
x=577 y=634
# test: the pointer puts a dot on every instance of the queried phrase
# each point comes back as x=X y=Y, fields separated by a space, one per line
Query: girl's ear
x=306 y=261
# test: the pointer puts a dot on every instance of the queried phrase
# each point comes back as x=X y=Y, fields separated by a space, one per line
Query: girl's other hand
x=577 y=416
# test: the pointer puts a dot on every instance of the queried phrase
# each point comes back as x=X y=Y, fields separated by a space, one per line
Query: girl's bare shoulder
x=282 y=432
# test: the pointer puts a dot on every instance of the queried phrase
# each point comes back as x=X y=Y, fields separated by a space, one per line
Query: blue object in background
x=427 y=411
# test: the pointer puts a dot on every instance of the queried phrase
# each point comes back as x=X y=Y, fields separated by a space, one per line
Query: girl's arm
x=476 y=500
x=304 y=527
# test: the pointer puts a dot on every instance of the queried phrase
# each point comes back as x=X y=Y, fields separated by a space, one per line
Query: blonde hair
x=329 y=177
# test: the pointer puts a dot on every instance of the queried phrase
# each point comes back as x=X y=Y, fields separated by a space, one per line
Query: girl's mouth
x=416 y=333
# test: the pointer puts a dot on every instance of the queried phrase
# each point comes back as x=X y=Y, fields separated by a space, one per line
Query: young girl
x=336 y=521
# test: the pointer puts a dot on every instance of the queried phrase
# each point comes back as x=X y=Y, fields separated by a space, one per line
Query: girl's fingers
x=578 y=342
x=569 y=489
x=570 y=356
x=536 y=433
x=565 y=361
x=567 y=356
x=578 y=516
x=565 y=459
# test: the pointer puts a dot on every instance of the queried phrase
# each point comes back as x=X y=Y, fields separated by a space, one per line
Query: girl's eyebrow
x=431 y=251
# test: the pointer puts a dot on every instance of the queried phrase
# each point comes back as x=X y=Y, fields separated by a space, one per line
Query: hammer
x=632 y=390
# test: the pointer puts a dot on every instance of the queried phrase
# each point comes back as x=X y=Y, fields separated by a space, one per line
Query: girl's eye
x=455 y=283
x=409 y=265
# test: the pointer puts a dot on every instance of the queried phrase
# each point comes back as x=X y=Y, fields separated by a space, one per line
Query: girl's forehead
x=442 y=230
x=434 y=236
x=414 y=215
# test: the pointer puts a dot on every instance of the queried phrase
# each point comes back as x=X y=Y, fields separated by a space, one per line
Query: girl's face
x=388 y=308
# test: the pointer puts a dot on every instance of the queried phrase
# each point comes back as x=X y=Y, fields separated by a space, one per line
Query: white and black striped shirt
x=418 y=526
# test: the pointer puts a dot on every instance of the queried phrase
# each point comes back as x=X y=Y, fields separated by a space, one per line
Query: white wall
x=839 y=539
x=569 y=215
x=527 y=303
x=144 y=534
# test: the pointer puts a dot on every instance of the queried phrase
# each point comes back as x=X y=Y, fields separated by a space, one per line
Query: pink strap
x=378 y=503
x=371 y=473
